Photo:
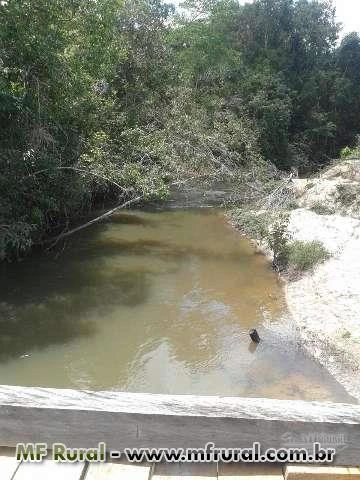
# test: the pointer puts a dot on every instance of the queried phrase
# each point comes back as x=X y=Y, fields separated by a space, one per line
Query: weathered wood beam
x=321 y=473
x=133 y=420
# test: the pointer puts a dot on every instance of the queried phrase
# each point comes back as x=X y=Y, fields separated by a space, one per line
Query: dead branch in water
x=93 y=221
x=107 y=214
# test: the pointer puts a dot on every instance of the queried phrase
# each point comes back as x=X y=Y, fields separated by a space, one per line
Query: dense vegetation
x=105 y=100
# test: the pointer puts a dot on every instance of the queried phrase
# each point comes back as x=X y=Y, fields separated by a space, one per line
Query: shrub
x=15 y=239
x=252 y=224
x=292 y=205
x=305 y=255
x=309 y=185
x=345 y=152
x=277 y=239
x=348 y=152
x=322 y=209
x=347 y=194
x=267 y=227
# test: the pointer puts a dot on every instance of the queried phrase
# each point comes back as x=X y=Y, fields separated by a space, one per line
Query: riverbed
x=155 y=301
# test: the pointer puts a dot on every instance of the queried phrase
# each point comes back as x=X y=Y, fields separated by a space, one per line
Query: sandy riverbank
x=325 y=303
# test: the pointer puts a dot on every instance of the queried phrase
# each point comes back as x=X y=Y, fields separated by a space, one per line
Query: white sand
x=325 y=304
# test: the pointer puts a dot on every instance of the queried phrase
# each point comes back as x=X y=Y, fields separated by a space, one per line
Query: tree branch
x=93 y=221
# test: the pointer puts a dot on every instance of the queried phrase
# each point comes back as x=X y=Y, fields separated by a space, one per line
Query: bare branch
x=94 y=220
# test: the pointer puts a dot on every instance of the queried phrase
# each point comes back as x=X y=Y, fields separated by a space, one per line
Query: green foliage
x=15 y=239
x=271 y=229
x=347 y=96
x=348 y=194
x=277 y=240
x=345 y=152
x=348 y=152
x=104 y=100
x=292 y=204
x=60 y=154
x=303 y=256
x=322 y=209
x=277 y=62
x=268 y=228
x=252 y=224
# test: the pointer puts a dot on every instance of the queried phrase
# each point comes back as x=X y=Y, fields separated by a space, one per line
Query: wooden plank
x=49 y=470
x=117 y=471
x=300 y=472
x=185 y=471
x=126 y=420
x=235 y=471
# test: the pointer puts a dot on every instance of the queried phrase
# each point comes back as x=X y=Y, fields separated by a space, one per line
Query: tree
x=347 y=99
x=53 y=57
x=109 y=100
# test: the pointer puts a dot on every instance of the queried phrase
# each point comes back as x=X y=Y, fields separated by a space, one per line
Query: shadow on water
x=41 y=329
x=160 y=248
x=49 y=298
x=46 y=301
x=78 y=285
x=130 y=219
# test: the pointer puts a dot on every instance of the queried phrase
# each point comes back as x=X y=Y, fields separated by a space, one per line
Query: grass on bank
x=271 y=230
x=321 y=209
x=303 y=256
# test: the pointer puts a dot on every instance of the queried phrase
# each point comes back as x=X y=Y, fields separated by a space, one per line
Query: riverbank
x=324 y=302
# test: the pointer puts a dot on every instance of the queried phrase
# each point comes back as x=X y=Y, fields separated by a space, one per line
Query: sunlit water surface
x=154 y=302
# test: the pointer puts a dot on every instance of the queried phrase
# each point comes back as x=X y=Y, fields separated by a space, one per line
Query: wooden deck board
x=49 y=470
x=117 y=471
x=234 y=471
x=321 y=473
x=185 y=471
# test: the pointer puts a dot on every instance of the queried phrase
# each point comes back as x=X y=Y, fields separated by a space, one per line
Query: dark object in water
x=254 y=336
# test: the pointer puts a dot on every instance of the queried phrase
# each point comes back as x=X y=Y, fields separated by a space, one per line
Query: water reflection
x=157 y=302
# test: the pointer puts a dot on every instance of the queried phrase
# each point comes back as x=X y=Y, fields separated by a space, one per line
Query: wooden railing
x=134 y=420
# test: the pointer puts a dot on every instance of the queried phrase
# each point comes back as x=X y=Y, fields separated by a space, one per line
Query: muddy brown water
x=155 y=302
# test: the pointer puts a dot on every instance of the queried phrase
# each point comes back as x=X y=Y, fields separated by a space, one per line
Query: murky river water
x=154 y=302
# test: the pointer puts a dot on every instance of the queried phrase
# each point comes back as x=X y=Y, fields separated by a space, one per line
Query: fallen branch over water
x=94 y=220
x=107 y=214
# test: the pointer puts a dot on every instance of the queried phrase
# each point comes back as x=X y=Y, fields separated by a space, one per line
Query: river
x=155 y=301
